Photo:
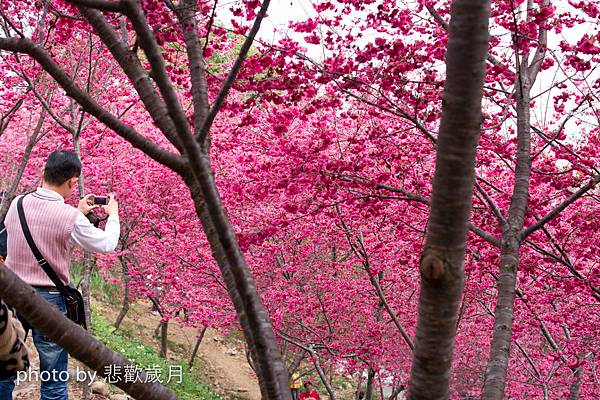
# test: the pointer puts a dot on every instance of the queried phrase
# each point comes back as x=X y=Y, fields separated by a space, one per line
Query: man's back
x=55 y=228
x=51 y=223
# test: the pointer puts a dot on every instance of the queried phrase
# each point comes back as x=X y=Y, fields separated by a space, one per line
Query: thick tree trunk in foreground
x=78 y=342
x=441 y=266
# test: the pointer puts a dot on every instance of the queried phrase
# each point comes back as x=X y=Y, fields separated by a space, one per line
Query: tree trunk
x=78 y=342
x=194 y=166
x=164 y=336
x=369 y=388
x=196 y=347
x=254 y=320
x=574 y=390
x=125 y=307
x=495 y=377
x=324 y=379
x=297 y=360
x=85 y=287
x=441 y=265
x=358 y=392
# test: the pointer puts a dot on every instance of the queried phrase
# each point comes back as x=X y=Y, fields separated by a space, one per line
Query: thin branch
x=154 y=151
x=553 y=139
x=488 y=237
x=233 y=73
x=6 y=118
x=561 y=145
x=540 y=51
x=529 y=360
x=362 y=255
x=137 y=75
x=557 y=210
x=148 y=43
x=309 y=349
x=102 y=5
x=46 y=105
x=409 y=195
x=187 y=19
x=400 y=113
x=492 y=204
x=438 y=18
x=10 y=23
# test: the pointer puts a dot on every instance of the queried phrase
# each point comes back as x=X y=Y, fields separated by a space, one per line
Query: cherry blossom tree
x=324 y=161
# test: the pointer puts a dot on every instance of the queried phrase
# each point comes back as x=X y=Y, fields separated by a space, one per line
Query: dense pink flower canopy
x=326 y=144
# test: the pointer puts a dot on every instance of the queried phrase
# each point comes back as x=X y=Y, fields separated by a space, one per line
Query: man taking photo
x=55 y=228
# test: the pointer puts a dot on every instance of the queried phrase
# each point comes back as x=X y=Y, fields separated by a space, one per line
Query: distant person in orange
x=295 y=385
x=309 y=392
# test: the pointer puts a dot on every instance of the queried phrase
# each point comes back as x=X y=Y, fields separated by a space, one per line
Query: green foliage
x=146 y=357
x=99 y=287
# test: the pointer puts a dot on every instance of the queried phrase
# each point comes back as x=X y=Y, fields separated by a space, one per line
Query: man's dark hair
x=61 y=166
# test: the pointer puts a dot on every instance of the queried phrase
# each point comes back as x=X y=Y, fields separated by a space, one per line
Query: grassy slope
x=146 y=357
x=129 y=346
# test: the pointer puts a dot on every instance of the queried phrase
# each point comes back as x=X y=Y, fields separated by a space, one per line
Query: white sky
x=282 y=12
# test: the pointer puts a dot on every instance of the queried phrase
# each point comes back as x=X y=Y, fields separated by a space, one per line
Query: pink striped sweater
x=51 y=222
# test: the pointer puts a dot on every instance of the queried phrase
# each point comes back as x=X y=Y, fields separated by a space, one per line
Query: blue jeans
x=53 y=359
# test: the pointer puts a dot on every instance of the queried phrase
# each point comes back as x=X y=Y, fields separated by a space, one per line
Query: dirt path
x=221 y=364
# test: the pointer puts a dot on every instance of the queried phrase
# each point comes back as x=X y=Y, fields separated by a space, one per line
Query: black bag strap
x=36 y=252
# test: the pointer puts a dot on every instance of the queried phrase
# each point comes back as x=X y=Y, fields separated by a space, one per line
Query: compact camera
x=100 y=200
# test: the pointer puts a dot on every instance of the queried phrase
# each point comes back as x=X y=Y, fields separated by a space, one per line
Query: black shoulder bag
x=72 y=296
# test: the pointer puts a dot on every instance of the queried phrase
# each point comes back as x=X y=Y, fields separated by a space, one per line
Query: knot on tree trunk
x=432 y=265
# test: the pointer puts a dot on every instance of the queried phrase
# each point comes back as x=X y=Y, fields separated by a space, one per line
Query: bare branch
x=233 y=73
x=553 y=139
x=309 y=349
x=409 y=195
x=157 y=153
x=362 y=255
x=492 y=204
x=102 y=5
x=540 y=51
x=134 y=71
x=561 y=145
x=438 y=18
x=46 y=105
x=399 y=113
x=197 y=71
x=558 y=209
x=6 y=118
x=488 y=237
x=148 y=43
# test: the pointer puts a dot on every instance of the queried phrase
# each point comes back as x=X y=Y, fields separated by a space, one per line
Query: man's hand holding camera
x=92 y=202
x=112 y=206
